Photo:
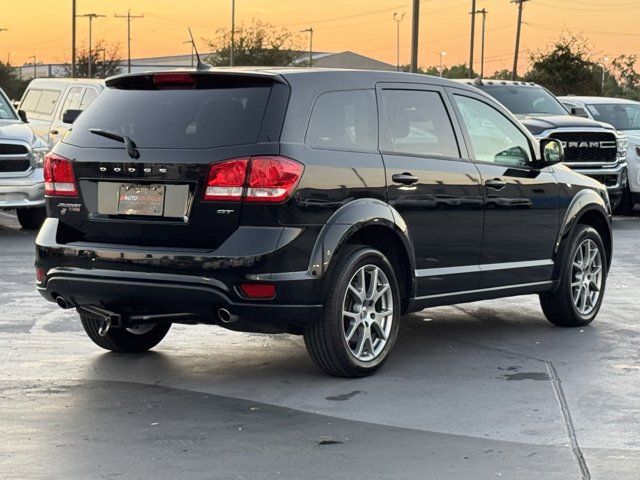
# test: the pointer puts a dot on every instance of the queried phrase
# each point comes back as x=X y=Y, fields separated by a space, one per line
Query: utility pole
x=233 y=32
x=129 y=17
x=473 y=36
x=35 y=66
x=415 y=27
x=484 y=24
x=514 y=72
x=604 y=71
x=73 y=38
x=91 y=16
x=397 y=17
x=310 y=32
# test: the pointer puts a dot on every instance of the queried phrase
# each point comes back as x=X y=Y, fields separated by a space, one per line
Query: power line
x=129 y=17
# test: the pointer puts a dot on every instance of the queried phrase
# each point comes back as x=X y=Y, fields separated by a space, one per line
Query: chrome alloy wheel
x=586 y=279
x=367 y=313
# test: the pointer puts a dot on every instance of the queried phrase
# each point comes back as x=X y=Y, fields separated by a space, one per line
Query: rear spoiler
x=192 y=79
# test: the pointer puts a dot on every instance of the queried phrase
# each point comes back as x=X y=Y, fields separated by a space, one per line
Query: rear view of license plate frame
x=151 y=201
x=141 y=200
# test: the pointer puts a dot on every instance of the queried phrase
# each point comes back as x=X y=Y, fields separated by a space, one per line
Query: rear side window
x=198 y=118
x=47 y=103
x=345 y=120
x=416 y=122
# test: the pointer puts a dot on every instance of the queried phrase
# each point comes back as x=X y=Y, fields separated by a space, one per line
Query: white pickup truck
x=22 y=153
x=624 y=115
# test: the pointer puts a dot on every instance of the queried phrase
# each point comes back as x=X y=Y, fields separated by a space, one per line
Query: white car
x=624 y=115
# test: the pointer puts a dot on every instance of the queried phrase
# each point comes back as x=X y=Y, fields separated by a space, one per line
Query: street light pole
x=90 y=16
x=442 y=54
x=35 y=66
x=233 y=32
x=397 y=17
x=604 y=71
x=310 y=32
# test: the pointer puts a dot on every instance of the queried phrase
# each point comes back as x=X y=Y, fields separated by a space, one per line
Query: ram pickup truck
x=592 y=148
x=624 y=115
x=21 y=175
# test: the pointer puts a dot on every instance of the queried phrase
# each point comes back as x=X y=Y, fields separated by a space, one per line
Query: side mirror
x=23 y=116
x=70 y=116
x=579 y=112
x=552 y=151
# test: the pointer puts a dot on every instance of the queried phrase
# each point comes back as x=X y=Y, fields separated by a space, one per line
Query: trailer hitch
x=107 y=318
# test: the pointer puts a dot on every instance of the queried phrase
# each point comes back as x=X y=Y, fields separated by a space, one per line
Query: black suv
x=325 y=203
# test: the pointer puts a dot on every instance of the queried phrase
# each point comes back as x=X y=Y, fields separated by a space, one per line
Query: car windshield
x=526 y=100
x=621 y=116
x=6 y=112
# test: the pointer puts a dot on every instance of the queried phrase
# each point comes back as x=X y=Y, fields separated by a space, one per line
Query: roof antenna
x=201 y=65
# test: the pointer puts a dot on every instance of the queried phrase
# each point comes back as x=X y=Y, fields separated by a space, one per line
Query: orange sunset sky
x=42 y=27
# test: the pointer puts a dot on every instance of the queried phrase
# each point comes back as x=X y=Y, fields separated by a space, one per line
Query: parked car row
x=45 y=114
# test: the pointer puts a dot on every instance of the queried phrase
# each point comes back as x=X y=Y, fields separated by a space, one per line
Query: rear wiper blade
x=132 y=149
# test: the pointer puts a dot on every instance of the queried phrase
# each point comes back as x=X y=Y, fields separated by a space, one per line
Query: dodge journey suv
x=315 y=202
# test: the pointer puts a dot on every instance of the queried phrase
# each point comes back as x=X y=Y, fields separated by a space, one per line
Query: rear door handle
x=54 y=132
x=404 y=178
x=495 y=184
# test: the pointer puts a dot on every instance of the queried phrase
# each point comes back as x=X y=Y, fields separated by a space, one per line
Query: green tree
x=257 y=44
x=10 y=82
x=565 y=68
x=625 y=80
x=504 y=74
x=106 y=61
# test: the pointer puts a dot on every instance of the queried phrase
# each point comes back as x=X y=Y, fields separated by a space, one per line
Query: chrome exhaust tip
x=226 y=316
x=62 y=303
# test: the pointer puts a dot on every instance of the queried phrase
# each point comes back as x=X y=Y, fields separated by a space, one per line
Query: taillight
x=226 y=180
x=59 y=180
x=272 y=179
x=266 y=179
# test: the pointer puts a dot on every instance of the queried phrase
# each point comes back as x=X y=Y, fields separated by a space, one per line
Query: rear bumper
x=130 y=282
x=21 y=192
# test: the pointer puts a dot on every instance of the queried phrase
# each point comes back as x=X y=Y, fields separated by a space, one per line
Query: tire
x=31 y=218
x=625 y=206
x=123 y=340
x=326 y=340
x=560 y=307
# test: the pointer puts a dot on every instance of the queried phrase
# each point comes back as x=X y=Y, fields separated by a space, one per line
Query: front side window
x=621 y=116
x=6 y=112
x=72 y=102
x=344 y=120
x=494 y=138
x=31 y=100
x=415 y=122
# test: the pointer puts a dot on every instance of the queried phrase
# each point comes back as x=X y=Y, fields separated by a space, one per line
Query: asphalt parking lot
x=485 y=390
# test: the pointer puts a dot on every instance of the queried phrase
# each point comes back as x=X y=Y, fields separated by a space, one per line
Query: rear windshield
x=199 y=118
x=526 y=100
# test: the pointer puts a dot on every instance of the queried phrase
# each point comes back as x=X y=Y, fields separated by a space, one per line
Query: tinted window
x=526 y=100
x=494 y=137
x=621 y=116
x=89 y=96
x=416 y=122
x=72 y=102
x=344 y=121
x=47 y=103
x=31 y=100
x=201 y=118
